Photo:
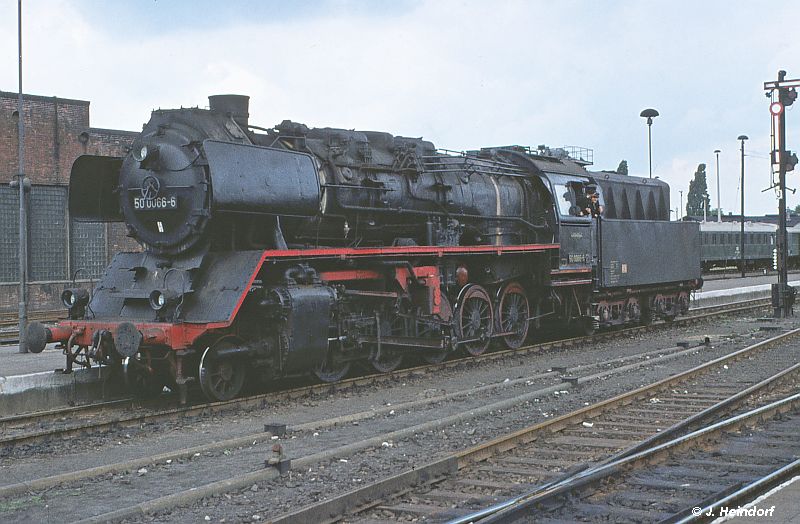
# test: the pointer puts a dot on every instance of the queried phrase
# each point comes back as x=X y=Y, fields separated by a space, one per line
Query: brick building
x=57 y=131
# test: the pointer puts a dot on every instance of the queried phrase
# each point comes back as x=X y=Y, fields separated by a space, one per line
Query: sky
x=461 y=73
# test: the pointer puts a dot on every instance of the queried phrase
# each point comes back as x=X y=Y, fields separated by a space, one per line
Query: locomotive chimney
x=236 y=106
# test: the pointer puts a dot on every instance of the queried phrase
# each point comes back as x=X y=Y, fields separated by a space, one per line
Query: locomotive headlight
x=147 y=155
x=75 y=297
x=140 y=154
x=161 y=298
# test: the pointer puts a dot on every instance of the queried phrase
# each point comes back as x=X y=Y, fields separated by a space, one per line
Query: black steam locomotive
x=274 y=252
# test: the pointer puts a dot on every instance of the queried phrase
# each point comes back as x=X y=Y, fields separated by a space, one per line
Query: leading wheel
x=474 y=319
x=513 y=314
x=221 y=378
x=140 y=378
x=386 y=359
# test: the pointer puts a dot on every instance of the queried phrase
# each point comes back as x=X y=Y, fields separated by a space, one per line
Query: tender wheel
x=683 y=303
x=474 y=320
x=513 y=314
x=331 y=370
x=586 y=326
x=646 y=317
x=221 y=378
x=141 y=379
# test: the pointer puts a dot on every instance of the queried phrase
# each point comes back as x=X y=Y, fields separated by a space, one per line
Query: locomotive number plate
x=157 y=203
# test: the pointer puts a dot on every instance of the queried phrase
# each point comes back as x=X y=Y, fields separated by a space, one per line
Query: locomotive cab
x=576 y=229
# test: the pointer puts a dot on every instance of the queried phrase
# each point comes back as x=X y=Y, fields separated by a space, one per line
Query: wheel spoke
x=221 y=379
x=514 y=313
x=475 y=320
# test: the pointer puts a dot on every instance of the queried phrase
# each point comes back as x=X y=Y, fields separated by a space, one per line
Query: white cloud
x=461 y=73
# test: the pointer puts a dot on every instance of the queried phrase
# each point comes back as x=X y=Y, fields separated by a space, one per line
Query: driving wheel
x=385 y=359
x=513 y=315
x=331 y=369
x=475 y=320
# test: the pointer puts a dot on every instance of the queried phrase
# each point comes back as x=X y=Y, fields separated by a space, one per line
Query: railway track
x=9 y=322
x=544 y=459
x=10 y=319
x=74 y=478
x=690 y=478
x=208 y=456
x=64 y=422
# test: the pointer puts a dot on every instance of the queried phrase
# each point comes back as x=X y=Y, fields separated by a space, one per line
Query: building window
x=87 y=249
x=9 y=234
x=48 y=256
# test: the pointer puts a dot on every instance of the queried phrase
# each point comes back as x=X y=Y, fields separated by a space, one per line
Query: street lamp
x=719 y=204
x=649 y=114
x=681 y=208
x=23 y=219
x=742 y=138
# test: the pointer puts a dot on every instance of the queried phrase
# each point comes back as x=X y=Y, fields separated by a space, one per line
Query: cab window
x=565 y=199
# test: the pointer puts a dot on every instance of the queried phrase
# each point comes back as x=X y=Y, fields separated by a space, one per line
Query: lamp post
x=649 y=114
x=719 y=205
x=742 y=138
x=23 y=219
x=681 y=208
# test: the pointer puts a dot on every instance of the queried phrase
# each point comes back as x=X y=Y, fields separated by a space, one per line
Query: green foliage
x=622 y=169
x=698 y=193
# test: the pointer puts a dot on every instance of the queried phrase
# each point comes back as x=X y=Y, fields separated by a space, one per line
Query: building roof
x=40 y=98
x=734 y=227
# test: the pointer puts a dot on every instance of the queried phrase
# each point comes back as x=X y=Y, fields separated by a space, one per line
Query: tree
x=622 y=169
x=698 y=193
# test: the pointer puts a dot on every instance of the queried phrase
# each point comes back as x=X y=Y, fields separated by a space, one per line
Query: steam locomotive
x=277 y=252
